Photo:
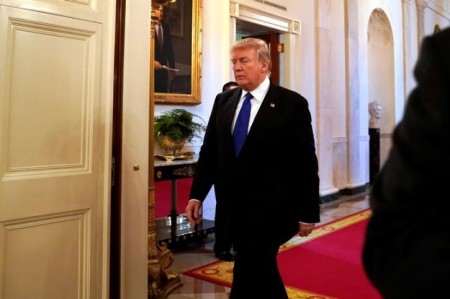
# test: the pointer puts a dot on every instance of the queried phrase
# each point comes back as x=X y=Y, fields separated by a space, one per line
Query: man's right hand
x=157 y=65
x=193 y=211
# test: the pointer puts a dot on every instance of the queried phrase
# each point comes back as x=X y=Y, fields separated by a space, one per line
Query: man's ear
x=265 y=67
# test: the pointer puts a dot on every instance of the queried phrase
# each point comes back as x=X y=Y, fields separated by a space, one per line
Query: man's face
x=159 y=12
x=248 y=71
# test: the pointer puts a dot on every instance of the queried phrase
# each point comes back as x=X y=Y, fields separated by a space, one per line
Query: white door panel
x=53 y=172
x=92 y=10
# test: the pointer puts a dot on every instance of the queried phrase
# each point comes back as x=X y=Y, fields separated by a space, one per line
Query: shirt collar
x=259 y=92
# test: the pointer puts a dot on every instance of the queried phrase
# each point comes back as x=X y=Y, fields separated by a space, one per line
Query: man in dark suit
x=270 y=186
x=164 y=53
x=407 y=244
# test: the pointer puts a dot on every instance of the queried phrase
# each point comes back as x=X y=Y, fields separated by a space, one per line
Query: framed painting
x=177 y=48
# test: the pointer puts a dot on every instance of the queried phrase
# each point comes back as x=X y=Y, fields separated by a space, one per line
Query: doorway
x=271 y=36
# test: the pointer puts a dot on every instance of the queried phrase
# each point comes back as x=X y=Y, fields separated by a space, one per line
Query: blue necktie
x=241 y=126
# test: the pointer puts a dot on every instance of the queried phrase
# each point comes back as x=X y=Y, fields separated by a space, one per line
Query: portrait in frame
x=177 y=64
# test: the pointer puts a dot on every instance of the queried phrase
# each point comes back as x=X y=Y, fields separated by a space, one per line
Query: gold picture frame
x=183 y=74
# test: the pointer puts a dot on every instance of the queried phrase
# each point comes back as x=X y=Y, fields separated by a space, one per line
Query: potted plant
x=175 y=127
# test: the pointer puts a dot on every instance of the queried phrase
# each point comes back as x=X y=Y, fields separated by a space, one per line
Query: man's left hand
x=305 y=230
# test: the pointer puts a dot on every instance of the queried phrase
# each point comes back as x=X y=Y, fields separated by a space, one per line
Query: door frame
x=116 y=180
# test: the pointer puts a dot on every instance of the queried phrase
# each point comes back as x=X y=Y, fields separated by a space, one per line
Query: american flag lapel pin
x=272 y=105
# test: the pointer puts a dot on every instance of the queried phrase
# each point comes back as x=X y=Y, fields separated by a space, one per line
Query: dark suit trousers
x=222 y=225
x=257 y=261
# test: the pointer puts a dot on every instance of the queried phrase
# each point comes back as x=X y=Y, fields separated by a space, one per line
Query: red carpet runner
x=327 y=264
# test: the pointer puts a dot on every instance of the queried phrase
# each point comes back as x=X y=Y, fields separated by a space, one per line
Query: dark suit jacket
x=165 y=55
x=274 y=181
x=407 y=246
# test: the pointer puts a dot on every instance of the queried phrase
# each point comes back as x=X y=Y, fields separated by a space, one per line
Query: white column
x=355 y=177
x=410 y=44
x=421 y=6
x=324 y=104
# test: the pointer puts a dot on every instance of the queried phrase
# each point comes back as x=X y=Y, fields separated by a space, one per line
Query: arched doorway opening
x=381 y=78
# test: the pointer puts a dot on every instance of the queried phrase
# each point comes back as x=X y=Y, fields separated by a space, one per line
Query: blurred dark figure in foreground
x=407 y=246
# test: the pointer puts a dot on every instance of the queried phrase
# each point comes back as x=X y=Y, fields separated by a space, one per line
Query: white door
x=56 y=75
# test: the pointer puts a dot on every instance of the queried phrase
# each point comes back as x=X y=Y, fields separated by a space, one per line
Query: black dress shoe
x=225 y=256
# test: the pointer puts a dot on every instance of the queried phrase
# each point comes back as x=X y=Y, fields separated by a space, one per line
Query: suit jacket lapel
x=230 y=109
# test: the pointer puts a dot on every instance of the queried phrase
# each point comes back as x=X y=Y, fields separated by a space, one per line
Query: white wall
x=433 y=15
x=215 y=66
x=215 y=71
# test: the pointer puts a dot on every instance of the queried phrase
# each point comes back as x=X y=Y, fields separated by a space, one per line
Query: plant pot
x=166 y=143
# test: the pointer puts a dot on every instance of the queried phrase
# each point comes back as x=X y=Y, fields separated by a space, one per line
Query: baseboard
x=355 y=190
x=329 y=198
x=358 y=190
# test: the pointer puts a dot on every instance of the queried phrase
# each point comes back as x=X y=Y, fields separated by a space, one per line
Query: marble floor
x=200 y=254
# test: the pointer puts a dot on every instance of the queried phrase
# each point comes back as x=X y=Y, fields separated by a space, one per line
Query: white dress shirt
x=258 y=96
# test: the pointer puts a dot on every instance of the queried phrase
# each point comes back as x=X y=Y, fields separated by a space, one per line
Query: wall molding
x=263 y=18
